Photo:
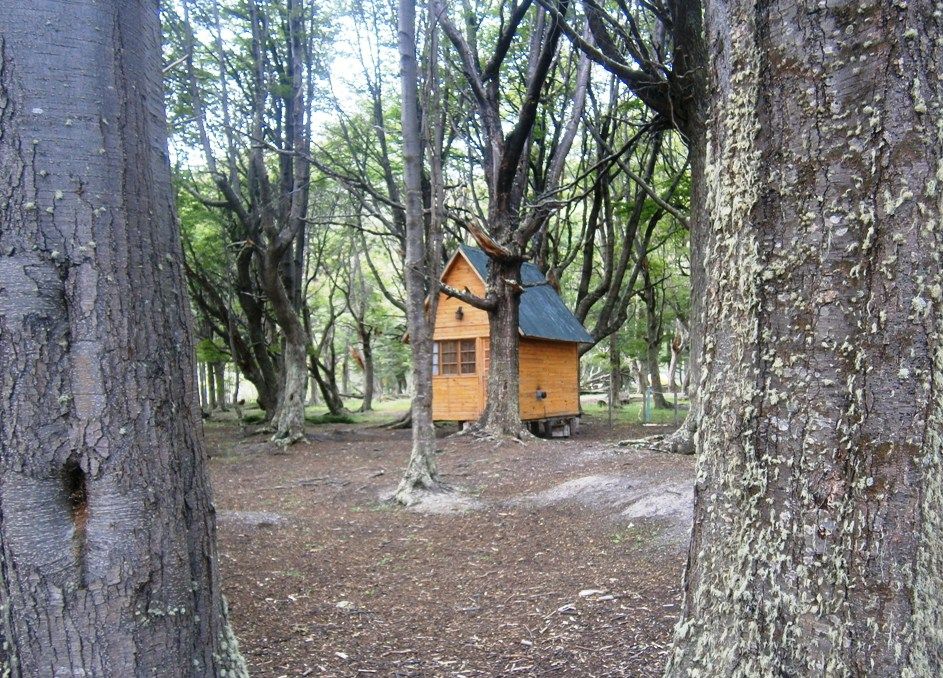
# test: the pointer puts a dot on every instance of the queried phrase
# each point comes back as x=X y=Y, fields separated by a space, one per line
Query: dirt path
x=557 y=558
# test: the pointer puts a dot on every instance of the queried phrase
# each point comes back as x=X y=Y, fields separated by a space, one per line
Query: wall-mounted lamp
x=541 y=394
x=459 y=313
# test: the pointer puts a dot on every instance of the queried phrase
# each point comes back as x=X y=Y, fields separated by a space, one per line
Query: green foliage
x=209 y=351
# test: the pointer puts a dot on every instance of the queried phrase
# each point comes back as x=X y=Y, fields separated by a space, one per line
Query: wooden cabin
x=549 y=355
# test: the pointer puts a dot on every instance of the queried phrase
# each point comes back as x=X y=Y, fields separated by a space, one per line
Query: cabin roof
x=543 y=314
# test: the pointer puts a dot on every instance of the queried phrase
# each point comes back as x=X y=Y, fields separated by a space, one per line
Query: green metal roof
x=543 y=314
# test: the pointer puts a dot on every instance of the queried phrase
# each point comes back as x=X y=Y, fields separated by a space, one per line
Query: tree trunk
x=421 y=473
x=653 y=336
x=641 y=375
x=368 y=376
x=615 y=370
x=345 y=369
x=327 y=384
x=249 y=300
x=220 y=369
x=313 y=396
x=209 y=369
x=502 y=414
x=201 y=382
x=678 y=344
x=288 y=421
x=106 y=521
x=818 y=535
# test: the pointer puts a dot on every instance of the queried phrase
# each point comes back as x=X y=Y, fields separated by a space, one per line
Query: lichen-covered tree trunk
x=106 y=521
x=502 y=414
x=818 y=538
x=288 y=421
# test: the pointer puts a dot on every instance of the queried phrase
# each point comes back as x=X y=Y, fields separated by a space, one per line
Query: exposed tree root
x=283 y=442
x=680 y=441
x=483 y=432
x=404 y=422
x=412 y=493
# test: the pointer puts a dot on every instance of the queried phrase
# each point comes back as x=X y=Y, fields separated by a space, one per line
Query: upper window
x=456 y=356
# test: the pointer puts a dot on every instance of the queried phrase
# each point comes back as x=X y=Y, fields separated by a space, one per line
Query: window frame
x=454 y=357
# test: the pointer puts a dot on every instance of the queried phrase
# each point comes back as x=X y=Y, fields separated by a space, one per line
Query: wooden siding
x=456 y=398
x=474 y=322
x=552 y=366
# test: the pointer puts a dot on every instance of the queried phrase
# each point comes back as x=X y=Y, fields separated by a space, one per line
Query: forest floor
x=555 y=557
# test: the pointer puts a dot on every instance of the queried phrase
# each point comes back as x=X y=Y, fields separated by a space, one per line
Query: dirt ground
x=554 y=558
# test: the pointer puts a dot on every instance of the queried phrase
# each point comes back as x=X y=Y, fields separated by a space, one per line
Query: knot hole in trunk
x=76 y=494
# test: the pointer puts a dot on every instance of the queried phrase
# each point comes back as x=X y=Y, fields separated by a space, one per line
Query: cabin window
x=468 y=356
x=448 y=356
x=453 y=357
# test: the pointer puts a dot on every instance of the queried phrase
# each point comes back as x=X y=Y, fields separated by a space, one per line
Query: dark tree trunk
x=210 y=371
x=266 y=383
x=615 y=370
x=368 y=376
x=502 y=414
x=345 y=369
x=106 y=520
x=653 y=336
x=220 y=371
x=326 y=380
x=313 y=396
x=818 y=534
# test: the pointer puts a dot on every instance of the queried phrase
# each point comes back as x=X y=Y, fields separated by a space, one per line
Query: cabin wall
x=456 y=397
x=552 y=366
x=460 y=397
x=474 y=322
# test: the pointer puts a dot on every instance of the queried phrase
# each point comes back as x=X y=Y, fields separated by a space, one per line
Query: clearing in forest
x=557 y=558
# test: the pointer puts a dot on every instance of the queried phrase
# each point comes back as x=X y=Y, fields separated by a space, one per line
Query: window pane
x=449 y=357
x=468 y=356
x=435 y=358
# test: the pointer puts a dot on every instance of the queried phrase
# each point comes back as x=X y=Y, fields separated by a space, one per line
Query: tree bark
x=209 y=369
x=502 y=414
x=220 y=371
x=421 y=473
x=678 y=344
x=653 y=335
x=368 y=371
x=106 y=520
x=615 y=371
x=201 y=382
x=818 y=536
x=641 y=375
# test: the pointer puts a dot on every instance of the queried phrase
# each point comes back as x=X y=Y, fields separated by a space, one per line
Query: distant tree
x=106 y=524
x=817 y=546
x=517 y=205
